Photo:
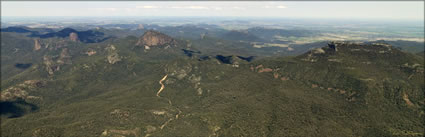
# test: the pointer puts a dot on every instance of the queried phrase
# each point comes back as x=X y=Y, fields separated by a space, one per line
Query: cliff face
x=154 y=38
x=37 y=44
x=64 y=57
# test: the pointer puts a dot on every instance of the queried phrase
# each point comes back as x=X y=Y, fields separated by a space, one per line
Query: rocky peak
x=155 y=38
x=49 y=64
x=73 y=36
x=37 y=44
x=64 y=57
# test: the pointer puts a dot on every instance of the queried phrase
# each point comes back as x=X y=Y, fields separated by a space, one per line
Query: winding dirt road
x=169 y=101
x=162 y=85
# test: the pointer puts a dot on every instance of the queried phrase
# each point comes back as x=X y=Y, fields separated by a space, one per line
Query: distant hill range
x=409 y=46
x=89 y=36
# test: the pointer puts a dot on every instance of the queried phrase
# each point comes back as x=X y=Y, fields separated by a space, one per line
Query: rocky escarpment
x=64 y=57
x=153 y=38
x=52 y=66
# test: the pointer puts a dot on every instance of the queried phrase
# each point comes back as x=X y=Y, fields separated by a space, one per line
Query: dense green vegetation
x=352 y=90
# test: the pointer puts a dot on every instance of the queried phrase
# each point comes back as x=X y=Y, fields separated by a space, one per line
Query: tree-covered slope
x=117 y=88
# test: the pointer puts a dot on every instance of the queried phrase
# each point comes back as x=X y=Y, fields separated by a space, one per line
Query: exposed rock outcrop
x=196 y=80
x=20 y=91
x=155 y=38
x=90 y=52
x=121 y=133
x=261 y=69
x=64 y=57
x=179 y=72
x=318 y=51
x=73 y=36
x=113 y=56
x=37 y=44
x=122 y=115
x=52 y=66
x=407 y=100
x=49 y=64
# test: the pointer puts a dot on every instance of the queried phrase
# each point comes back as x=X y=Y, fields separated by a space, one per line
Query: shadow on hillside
x=190 y=53
x=249 y=59
x=14 y=109
x=23 y=65
x=224 y=59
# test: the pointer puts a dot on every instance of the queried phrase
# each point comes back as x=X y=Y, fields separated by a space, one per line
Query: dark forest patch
x=224 y=59
x=23 y=65
x=249 y=59
x=88 y=36
x=18 y=108
x=202 y=58
x=190 y=53
x=15 y=29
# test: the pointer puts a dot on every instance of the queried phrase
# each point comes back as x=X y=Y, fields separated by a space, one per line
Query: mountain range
x=85 y=83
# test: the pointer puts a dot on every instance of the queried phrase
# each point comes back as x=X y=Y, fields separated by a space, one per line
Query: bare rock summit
x=154 y=38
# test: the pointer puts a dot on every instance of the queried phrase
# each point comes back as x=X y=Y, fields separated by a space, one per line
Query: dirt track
x=162 y=85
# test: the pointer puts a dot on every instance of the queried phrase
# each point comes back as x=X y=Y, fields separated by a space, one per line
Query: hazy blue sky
x=303 y=9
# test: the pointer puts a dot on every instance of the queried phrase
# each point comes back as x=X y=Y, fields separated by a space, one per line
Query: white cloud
x=267 y=7
x=197 y=7
x=190 y=7
x=217 y=8
x=130 y=9
x=238 y=8
x=147 y=7
x=281 y=7
x=104 y=9
x=176 y=7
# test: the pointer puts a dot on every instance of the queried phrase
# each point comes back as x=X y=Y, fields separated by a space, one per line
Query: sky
x=412 y=10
